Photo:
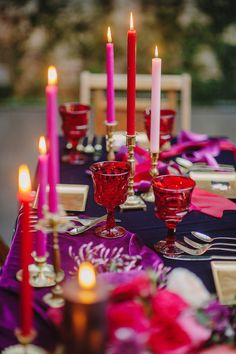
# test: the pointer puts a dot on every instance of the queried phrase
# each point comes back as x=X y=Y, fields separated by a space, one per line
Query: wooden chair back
x=176 y=94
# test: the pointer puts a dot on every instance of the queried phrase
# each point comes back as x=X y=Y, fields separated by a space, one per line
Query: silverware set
x=91 y=145
x=197 y=250
x=86 y=223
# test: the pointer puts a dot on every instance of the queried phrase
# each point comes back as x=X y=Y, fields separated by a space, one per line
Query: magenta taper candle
x=53 y=151
x=110 y=78
x=41 y=239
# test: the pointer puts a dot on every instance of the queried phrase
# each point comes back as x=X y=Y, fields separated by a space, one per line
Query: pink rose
x=167 y=306
x=141 y=286
x=169 y=338
x=127 y=314
x=219 y=349
x=195 y=330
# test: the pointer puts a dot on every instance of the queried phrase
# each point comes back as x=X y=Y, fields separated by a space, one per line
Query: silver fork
x=202 y=250
x=200 y=245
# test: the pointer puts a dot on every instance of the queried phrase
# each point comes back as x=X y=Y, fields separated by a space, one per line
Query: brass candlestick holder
x=133 y=201
x=110 y=140
x=55 y=223
x=41 y=273
x=149 y=196
x=24 y=346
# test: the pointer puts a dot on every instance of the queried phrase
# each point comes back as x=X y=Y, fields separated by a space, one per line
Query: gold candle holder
x=110 y=140
x=55 y=223
x=133 y=201
x=149 y=196
x=24 y=346
x=41 y=273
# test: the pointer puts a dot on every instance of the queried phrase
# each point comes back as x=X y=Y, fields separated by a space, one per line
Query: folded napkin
x=210 y=203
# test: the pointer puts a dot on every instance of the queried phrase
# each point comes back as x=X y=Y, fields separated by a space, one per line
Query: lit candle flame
x=109 y=37
x=156 y=51
x=24 y=179
x=42 y=145
x=131 y=26
x=86 y=276
x=52 y=75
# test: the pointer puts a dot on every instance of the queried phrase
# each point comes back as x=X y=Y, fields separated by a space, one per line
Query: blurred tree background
x=194 y=36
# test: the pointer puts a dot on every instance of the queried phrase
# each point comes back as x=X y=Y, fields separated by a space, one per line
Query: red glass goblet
x=167 y=119
x=110 y=181
x=172 y=201
x=74 y=126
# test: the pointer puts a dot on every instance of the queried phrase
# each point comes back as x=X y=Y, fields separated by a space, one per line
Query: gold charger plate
x=223 y=184
x=224 y=274
x=72 y=197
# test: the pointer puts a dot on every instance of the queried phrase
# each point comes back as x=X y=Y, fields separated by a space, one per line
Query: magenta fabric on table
x=48 y=335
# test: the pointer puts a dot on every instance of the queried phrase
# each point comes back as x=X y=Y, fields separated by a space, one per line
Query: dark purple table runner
x=144 y=224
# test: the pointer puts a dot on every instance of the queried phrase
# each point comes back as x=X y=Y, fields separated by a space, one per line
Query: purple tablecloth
x=48 y=335
x=145 y=225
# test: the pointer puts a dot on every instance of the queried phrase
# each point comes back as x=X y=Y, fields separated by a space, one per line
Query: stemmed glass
x=167 y=119
x=74 y=126
x=172 y=201
x=110 y=181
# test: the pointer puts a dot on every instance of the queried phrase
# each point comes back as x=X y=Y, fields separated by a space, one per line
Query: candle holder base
x=55 y=298
x=148 y=196
x=42 y=275
x=24 y=346
x=133 y=202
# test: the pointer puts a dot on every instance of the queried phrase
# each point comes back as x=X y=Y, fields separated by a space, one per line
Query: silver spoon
x=199 y=252
x=200 y=245
x=206 y=238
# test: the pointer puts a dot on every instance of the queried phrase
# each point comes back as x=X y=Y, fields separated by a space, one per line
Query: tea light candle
x=110 y=78
x=85 y=313
x=155 y=104
x=131 y=77
x=24 y=197
x=41 y=239
x=53 y=162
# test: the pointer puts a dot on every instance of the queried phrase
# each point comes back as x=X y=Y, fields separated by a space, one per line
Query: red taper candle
x=131 y=77
x=24 y=197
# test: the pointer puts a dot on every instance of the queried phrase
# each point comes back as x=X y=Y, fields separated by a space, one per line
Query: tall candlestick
x=41 y=239
x=155 y=104
x=53 y=161
x=131 y=77
x=110 y=78
x=25 y=198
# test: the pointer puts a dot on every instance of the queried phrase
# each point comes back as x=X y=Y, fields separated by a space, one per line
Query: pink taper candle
x=53 y=160
x=24 y=196
x=41 y=239
x=110 y=78
x=155 y=103
x=131 y=78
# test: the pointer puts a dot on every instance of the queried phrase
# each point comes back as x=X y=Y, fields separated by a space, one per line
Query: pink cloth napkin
x=210 y=203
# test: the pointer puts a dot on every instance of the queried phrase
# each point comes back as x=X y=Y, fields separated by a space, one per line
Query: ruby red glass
x=172 y=201
x=167 y=119
x=110 y=181
x=74 y=126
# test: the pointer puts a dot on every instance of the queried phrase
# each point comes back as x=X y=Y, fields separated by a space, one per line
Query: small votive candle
x=84 y=321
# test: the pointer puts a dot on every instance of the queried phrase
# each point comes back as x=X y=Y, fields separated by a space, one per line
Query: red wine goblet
x=74 y=126
x=167 y=119
x=172 y=201
x=110 y=181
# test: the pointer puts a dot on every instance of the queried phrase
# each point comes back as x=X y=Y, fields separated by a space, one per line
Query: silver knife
x=200 y=258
